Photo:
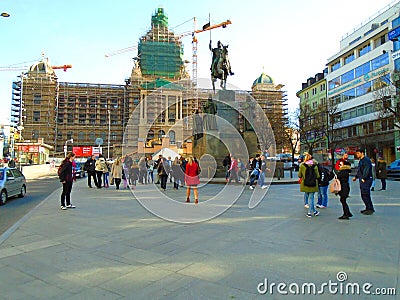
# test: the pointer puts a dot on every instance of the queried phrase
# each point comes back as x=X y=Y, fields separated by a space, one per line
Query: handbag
x=335 y=186
x=300 y=180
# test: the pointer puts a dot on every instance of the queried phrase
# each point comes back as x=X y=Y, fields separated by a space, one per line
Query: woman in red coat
x=192 y=179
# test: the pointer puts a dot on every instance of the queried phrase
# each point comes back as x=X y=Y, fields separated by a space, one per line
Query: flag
x=205 y=26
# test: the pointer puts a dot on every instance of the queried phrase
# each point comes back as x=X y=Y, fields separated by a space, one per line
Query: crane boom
x=121 y=51
x=64 y=67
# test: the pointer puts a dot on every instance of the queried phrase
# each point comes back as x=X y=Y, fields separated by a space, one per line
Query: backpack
x=324 y=176
x=310 y=178
x=60 y=167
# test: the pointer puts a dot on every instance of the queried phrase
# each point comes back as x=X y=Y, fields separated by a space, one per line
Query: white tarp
x=165 y=152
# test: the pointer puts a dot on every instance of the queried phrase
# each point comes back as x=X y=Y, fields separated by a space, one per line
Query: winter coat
x=116 y=171
x=302 y=174
x=192 y=174
x=90 y=165
x=381 y=172
x=66 y=171
x=343 y=176
x=101 y=165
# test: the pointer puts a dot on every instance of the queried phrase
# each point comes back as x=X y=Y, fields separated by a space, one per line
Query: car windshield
x=1 y=174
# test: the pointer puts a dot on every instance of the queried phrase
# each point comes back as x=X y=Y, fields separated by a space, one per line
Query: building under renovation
x=156 y=103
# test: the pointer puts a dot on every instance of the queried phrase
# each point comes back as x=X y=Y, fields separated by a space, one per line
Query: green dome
x=264 y=78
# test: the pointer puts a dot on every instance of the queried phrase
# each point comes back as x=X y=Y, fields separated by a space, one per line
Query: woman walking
x=66 y=178
x=192 y=179
x=309 y=174
x=176 y=172
x=381 y=172
x=100 y=167
x=116 y=172
x=343 y=176
x=163 y=171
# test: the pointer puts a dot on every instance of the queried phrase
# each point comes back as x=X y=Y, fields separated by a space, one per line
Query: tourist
x=100 y=168
x=163 y=171
x=176 y=172
x=192 y=179
x=66 y=178
x=381 y=172
x=343 y=176
x=373 y=174
x=309 y=175
x=233 y=170
x=364 y=175
x=89 y=167
x=116 y=172
x=323 y=185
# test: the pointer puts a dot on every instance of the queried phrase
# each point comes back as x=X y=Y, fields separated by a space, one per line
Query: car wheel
x=3 y=197
x=23 y=192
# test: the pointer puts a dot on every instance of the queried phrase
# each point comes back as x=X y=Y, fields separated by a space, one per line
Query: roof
x=165 y=152
x=263 y=78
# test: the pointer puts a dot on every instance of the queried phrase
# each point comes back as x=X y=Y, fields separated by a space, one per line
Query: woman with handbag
x=192 y=172
x=343 y=176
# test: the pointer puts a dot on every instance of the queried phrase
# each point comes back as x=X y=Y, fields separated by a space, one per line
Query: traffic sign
x=99 y=141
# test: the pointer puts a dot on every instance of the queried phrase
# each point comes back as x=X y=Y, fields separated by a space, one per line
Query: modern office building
x=356 y=74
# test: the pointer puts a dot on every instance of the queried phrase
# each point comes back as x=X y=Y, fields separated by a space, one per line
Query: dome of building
x=42 y=67
x=263 y=78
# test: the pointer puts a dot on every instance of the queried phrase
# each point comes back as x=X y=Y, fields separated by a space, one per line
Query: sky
x=289 y=40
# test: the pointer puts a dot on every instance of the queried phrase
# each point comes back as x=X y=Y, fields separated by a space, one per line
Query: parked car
x=393 y=170
x=12 y=183
x=79 y=172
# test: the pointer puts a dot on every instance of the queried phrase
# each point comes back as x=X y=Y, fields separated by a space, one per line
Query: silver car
x=12 y=183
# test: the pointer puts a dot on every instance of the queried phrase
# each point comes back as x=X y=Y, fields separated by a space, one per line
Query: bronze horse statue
x=220 y=67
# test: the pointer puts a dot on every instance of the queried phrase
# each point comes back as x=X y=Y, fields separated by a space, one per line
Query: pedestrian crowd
x=314 y=178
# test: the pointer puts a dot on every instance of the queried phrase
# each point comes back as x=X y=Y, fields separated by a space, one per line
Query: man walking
x=364 y=175
x=90 y=169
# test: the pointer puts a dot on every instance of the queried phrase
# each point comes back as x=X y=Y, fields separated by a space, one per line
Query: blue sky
x=289 y=40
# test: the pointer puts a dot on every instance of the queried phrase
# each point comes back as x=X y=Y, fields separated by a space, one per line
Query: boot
x=187 y=200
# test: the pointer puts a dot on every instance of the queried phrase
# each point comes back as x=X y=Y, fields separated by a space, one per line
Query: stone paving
x=110 y=247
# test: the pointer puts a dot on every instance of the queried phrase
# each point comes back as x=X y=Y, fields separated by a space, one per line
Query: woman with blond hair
x=192 y=179
x=116 y=172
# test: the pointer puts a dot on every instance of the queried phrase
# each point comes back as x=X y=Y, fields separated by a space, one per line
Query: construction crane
x=22 y=68
x=127 y=49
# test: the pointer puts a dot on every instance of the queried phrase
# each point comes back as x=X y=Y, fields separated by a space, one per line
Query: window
x=336 y=66
x=81 y=136
x=334 y=83
x=35 y=134
x=322 y=87
x=161 y=133
x=348 y=76
x=59 y=135
x=171 y=137
x=364 y=50
x=37 y=98
x=380 y=41
x=69 y=135
x=113 y=136
x=363 y=89
x=380 y=61
x=36 y=116
x=348 y=58
x=92 y=136
x=363 y=69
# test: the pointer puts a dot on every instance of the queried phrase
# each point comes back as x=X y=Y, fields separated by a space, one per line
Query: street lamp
x=65 y=146
x=109 y=131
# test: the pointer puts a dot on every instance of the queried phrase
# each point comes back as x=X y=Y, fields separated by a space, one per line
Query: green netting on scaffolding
x=159 y=18
x=160 y=59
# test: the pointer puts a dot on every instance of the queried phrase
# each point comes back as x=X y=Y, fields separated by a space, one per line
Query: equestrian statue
x=220 y=65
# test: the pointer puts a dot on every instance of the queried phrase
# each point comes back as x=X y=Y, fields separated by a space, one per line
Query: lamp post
x=65 y=146
x=109 y=131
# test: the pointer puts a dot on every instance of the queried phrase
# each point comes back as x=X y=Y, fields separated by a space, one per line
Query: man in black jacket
x=364 y=175
x=89 y=167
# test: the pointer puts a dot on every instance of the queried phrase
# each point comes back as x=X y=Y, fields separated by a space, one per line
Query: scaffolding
x=160 y=52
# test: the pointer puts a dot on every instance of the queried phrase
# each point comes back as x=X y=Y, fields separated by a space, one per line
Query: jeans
x=66 y=193
x=105 y=179
x=365 y=188
x=383 y=181
x=261 y=179
x=309 y=197
x=323 y=195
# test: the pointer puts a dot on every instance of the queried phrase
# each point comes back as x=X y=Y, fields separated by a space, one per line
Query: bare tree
x=386 y=98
